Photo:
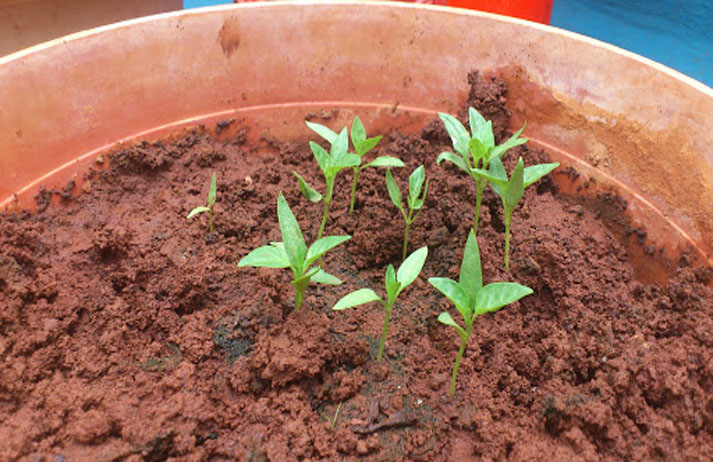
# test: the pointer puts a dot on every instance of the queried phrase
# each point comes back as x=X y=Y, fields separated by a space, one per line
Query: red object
x=533 y=10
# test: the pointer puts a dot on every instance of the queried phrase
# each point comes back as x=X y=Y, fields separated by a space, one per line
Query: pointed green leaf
x=197 y=210
x=321 y=155
x=476 y=122
x=471 y=277
x=340 y=146
x=323 y=277
x=367 y=145
x=459 y=135
x=498 y=294
x=385 y=161
x=393 y=189
x=356 y=298
x=322 y=246
x=516 y=188
x=292 y=238
x=488 y=175
x=513 y=141
x=390 y=281
x=453 y=158
x=455 y=293
x=478 y=150
x=343 y=161
x=497 y=169
x=322 y=131
x=358 y=132
x=267 y=256
x=445 y=318
x=411 y=267
x=536 y=172
x=306 y=190
x=415 y=182
x=485 y=135
x=213 y=191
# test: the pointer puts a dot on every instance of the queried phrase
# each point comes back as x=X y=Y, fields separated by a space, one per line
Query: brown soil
x=127 y=333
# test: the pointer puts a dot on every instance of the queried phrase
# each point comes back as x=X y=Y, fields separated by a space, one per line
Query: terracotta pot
x=637 y=128
x=533 y=10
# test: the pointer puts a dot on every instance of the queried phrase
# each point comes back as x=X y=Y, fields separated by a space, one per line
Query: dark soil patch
x=127 y=333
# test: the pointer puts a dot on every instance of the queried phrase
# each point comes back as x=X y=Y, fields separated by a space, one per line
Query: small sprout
x=511 y=191
x=209 y=208
x=362 y=145
x=471 y=298
x=414 y=201
x=395 y=283
x=475 y=150
x=293 y=253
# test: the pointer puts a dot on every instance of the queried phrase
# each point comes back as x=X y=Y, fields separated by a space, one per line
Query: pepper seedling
x=212 y=193
x=362 y=145
x=475 y=150
x=511 y=191
x=471 y=299
x=395 y=283
x=414 y=201
x=293 y=253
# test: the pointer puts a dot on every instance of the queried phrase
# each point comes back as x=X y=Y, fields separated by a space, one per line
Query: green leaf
x=323 y=158
x=497 y=169
x=516 y=188
x=390 y=282
x=292 y=238
x=340 y=146
x=536 y=172
x=455 y=293
x=478 y=150
x=342 y=162
x=476 y=122
x=358 y=132
x=471 y=277
x=197 y=210
x=385 y=161
x=322 y=246
x=306 y=190
x=513 y=141
x=411 y=267
x=454 y=159
x=323 y=277
x=415 y=182
x=445 y=318
x=394 y=191
x=213 y=191
x=459 y=135
x=485 y=135
x=322 y=131
x=367 y=145
x=498 y=294
x=356 y=298
x=488 y=175
x=267 y=256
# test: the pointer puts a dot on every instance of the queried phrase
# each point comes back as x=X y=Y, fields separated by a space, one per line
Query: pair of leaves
x=362 y=144
x=478 y=145
x=469 y=296
x=292 y=252
x=394 y=282
x=212 y=194
x=415 y=199
x=511 y=191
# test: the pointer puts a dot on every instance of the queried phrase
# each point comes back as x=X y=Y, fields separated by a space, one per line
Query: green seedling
x=395 y=283
x=293 y=253
x=511 y=191
x=362 y=145
x=471 y=298
x=414 y=201
x=212 y=192
x=475 y=150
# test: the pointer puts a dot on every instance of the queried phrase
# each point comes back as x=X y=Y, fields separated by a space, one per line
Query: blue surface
x=677 y=33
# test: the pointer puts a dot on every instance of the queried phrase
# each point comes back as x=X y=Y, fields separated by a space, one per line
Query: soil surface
x=127 y=333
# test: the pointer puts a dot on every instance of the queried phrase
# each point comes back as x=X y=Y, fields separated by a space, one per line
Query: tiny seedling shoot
x=362 y=145
x=511 y=191
x=475 y=150
x=395 y=283
x=414 y=202
x=471 y=298
x=293 y=253
x=207 y=208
